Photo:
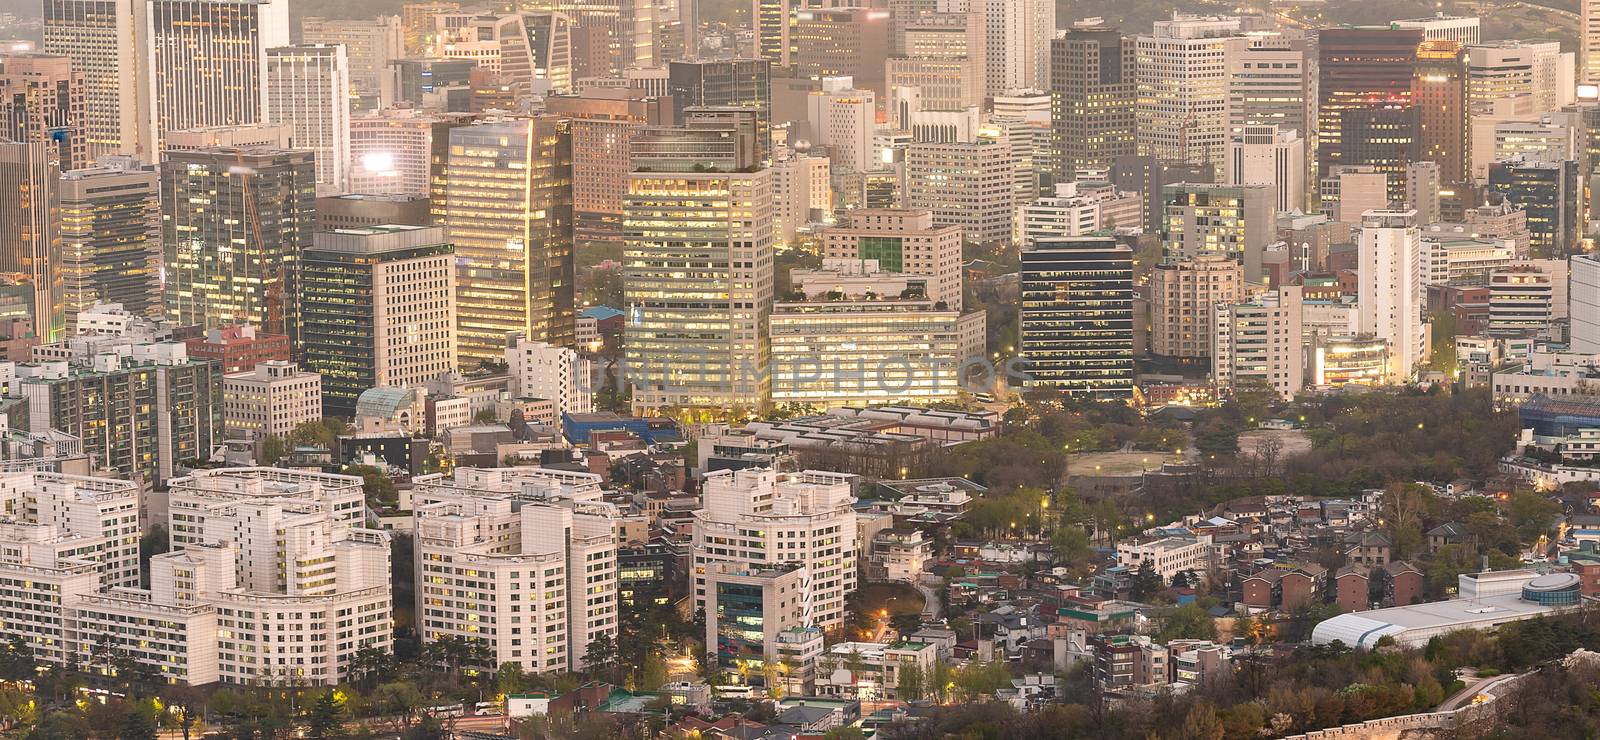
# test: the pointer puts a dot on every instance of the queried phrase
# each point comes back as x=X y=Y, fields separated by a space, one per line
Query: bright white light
x=378 y=162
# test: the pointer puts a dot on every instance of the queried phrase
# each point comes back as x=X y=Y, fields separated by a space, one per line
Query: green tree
x=324 y=432
x=60 y=725
x=1071 y=545
x=909 y=681
x=1146 y=582
x=602 y=657
x=138 y=725
x=273 y=449
x=1531 y=514
x=1187 y=622
x=398 y=698
x=325 y=718
x=377 y=486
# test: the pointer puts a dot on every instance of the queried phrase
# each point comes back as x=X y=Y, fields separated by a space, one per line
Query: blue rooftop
x=600 y=313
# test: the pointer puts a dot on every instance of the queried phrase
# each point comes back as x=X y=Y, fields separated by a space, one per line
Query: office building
x=140 y=413
x=1522 y=302
x=308 y=90
x=1347 y=191
x=259 y=201
x=1462 y=30
x=430 y=82
x=103 y=42
x=742 y=83
x=534 y=50
x=1238 y=221
x=603 y=122
x=370 y=45
x=209 y=60
x=842 y=120
x=1017 y=35
x=1504 y=69
x=1272 y=82
x=939 y=64
x=1080 y=209
x=902 y=240
x=842 y=42
x=1550 y=194
x=750 y=608
x=1589 y=42
x=238 y=348
x=1077 y=316
x=110 y=232
x=556 y=374
x=270 y=401
x=358 y=211
x=512 y=236
x=42 y=99
x=1584 y=295
x=1361 y=71
x=1260 y=344
x=1423 y=191
x=522 y=560
x=1184 y=296
x=30 y=219
x=965 y=184
x=1144 y=175
x=1183 y=88
x=1392 y=295
x=757 y=518
x=1269 y=155
x=1439 y=94
x=378 y=310
x=1093 y=87
x=271 y=135
x=389 y=152
x=699 y=342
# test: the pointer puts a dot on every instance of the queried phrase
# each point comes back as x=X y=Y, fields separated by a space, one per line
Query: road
x=930 y=602
x=1465 y=695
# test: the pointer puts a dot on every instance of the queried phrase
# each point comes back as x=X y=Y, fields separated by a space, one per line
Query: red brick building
x=1351 y=589
x=239 y=348
x=1403 y=584
x=1301 y=587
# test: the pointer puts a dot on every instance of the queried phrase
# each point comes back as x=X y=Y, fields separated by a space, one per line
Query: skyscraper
x=377 y=308
x=1585 y=298
x=1589 y=41
x=939 y=65
x=29 y=219
x=603 y=123
x=389 y=152
x=1236 y=220
x=1390 y=287
x=107 y=42
x=42 y=99
x=698 y=278
x=1017 y=44
x=210 y=60
x=1359 y=69
x=1439 y=92
x=1551 y=194
x=535 y=51
x=1268 y=155
x=508 y=212
x=370 y=45
x=743 y=83
x=234 y=224
x=308 y=89
x=1077 y=316
x=1273 y=82
x=1184 y=295
x=1183 y=88
x=966 y=184
x=111 y=237
x=1092 y=94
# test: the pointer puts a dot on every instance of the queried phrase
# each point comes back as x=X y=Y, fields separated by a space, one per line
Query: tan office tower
x=1261 y=344
x=850 y=42
x=1092 y=93
x=902 y=240
x=1184 y=296
x=698 y=279
x=110 y=238
x=1236 y=220
x=603 y=122
x=1589 y=41
x=1273 y=82
x=1017 y=44
x=965 y=184
x=1268 y=155
x=389 y=152
x=1439 y=94
x=308 y=89
x=369 y=47
x=1183 y=88
x=512 y=234
x=105 y=41
x=942 y=67
x=29 y=216
x=210 y=60
x=42 y=99
x=1501 y=69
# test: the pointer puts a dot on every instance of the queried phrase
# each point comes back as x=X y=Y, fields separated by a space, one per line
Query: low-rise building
x=879 y=666
x=1168 y=556
x=270 y=400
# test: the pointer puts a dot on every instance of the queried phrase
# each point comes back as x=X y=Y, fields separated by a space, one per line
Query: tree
x=602 y=658
x=909 y=681
x=844 y=733
x=1531 y=514
x=138 y=725
x=60 y=725
x=377 y=486
x=324 y=432
x=1187 y=622
x=400 y=698
x=1145 y=582
x=1071 y=545
x=939 y=680
x=325 y=718
x=273 y=449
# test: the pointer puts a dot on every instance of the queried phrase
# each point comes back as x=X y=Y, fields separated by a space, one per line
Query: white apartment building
x=881 y=665
x=1017 y=44
x=308 y=89
x=521 y=559
x=1390 y=287
x=270 y=400
x=1262 y=343
x=1168 y=556
x=757 y=517
x=270 y=585
x=1462 y=260
x=540 y=370
x=1268 y=155
x=1182 y=107
x=1522 y=302
x=389 y=152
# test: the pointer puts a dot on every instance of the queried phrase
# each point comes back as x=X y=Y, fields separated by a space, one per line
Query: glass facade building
x=1077 y=316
